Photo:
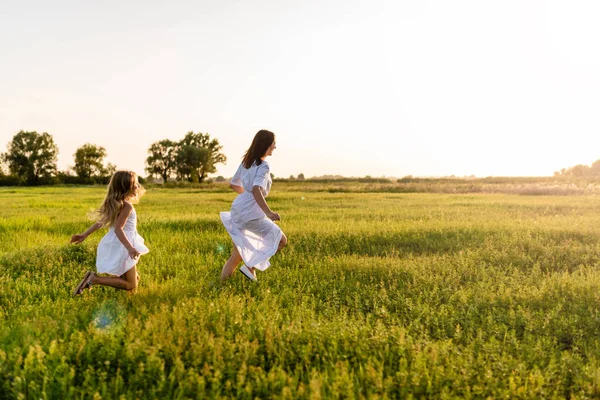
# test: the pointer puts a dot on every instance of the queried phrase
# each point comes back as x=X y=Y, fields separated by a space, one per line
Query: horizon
x=350 y=88
x=325 y=175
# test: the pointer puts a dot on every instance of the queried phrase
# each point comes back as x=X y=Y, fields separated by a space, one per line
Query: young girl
x=250 y=222
x=120 y=249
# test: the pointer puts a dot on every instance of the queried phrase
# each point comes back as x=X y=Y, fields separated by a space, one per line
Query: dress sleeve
x=237 y=178
x=263 y=176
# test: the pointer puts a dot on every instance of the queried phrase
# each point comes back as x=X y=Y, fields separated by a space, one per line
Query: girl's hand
x=78 y=238
x=133 y=253
x=273 y=216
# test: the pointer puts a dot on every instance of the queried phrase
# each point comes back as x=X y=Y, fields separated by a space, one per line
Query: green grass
x=378 y=295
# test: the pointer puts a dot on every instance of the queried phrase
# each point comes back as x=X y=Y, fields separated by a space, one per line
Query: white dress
x=112 y=256
x=255 y=236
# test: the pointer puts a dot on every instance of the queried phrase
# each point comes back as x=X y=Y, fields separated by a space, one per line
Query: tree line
x=31 y=159
x=581 y=170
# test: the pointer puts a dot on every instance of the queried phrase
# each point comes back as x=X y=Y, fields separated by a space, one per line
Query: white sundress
x=112 y=256
x=255 y=236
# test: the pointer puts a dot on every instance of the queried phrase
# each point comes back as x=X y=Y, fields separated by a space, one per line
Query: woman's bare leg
x=235 y=259
x=282 y=243
x=231 y=264
x=128 y=282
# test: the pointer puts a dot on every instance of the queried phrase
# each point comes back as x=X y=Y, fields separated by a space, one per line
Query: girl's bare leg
x=128 y=282
x=137 y=277
x=231 y=264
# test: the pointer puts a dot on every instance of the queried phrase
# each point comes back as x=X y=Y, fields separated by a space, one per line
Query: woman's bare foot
x=248 y=272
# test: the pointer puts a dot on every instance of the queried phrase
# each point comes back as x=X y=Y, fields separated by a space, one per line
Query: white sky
x=350 y=87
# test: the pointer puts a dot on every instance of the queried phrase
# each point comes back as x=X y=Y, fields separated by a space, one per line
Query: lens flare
x=109 y=317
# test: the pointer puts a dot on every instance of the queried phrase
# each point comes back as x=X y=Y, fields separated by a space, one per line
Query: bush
x=11 y=180
x=69 y=179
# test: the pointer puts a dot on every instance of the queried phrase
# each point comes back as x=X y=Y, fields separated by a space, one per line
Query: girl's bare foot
x=91 y=281
x=85 y=283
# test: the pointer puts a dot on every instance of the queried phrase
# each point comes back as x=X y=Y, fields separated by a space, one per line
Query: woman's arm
x=236 y=188
x=262 y=203
x=82 y=236
x=119 y=224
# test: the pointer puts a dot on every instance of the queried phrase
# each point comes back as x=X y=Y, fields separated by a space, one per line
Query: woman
x=250 y=222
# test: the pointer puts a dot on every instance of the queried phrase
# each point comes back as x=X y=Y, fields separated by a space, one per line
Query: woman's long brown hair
x=260 y=144
x=122 y=186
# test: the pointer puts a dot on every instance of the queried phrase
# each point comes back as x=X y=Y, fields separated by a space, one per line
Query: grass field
x=378 y=295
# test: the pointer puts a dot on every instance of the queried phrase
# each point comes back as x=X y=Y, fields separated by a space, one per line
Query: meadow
x=380 y=294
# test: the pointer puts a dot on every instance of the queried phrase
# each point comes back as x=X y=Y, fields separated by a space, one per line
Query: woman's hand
x=273 y=216
x=133 y=253
x=78 y=238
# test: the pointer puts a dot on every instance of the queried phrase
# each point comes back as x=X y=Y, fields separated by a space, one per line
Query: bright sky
x=350 y=87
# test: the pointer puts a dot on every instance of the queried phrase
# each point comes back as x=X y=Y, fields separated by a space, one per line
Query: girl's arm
x=236 y=188
x=82 y=236
x=119 y=224
x=262 y=203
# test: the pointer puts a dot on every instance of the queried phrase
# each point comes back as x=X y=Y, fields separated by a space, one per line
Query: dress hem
x=262 y=263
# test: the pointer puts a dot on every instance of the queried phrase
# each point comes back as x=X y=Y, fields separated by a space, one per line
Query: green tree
x=189 y=161
x=89 y=161
x=579 y=170
x=110 y=169
x=162 y=159
x=301 y=177
x=32 y=155
x=203 y=140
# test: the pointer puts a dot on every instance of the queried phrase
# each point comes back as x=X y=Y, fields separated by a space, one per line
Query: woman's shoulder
x=264 y=165
x=261 y=167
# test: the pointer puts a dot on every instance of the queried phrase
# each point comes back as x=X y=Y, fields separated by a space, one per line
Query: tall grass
x=378 y=295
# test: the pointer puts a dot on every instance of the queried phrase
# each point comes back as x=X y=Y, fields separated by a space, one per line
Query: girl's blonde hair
x=123 y=186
